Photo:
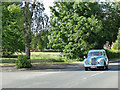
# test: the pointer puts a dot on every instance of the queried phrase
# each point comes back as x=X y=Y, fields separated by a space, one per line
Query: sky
x=48 y=3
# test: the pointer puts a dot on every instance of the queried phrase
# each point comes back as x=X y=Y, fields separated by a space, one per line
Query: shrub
x=22 y=62
x=112 y=54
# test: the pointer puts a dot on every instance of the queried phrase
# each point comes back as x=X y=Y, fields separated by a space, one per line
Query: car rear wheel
x=86 y=68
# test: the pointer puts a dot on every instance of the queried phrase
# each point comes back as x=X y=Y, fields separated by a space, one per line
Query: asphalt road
x=62 y=78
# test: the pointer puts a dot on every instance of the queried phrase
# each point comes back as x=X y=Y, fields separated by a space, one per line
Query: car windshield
x=94 y=54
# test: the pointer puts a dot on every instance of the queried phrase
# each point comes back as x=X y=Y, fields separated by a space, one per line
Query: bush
x=22 y=62
x=112 y=54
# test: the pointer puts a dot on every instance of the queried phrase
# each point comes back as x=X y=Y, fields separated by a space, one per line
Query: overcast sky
x=48 y=3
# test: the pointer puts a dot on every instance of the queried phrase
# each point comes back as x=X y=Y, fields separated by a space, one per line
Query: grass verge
x=41 y=63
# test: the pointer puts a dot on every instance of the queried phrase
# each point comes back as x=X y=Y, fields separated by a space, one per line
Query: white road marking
x=96 y=74
x=93 y=75
x=85 y=78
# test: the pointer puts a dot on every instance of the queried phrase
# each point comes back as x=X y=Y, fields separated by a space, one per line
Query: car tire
x=86 y=68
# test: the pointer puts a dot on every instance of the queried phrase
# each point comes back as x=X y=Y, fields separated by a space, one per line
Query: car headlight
x=86 y=61
x=89 y=62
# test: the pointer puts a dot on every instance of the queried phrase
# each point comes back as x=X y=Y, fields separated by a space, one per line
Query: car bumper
x=94 y=66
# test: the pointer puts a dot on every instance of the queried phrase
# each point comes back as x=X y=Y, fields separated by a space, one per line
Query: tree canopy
x=12 y=35
x=77 y=27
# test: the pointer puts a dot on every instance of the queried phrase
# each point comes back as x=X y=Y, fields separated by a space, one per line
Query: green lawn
x=37 y=58
x=40 y=58
x=8 y=60
x=45 y=56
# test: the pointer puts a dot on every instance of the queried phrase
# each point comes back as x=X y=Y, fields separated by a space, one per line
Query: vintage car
x=96 y=59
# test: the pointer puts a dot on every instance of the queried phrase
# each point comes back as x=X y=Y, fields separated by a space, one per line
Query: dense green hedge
x=11 y=56
x=112 y=54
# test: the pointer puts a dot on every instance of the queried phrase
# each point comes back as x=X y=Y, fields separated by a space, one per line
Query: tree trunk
x=27 y=27
x=27 y=50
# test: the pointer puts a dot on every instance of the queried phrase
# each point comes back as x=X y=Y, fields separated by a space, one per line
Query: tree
x=110 y=21
x=34 y=21
x=0 y=30
x=77 y=27
x=27 y=26
x=12 y=35
x=40 y=40
x=39 y=27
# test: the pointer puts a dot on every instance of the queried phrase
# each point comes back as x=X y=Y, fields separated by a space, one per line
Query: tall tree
x=0 y=29
x=39 y=27
x=28 y=14
x=12 y=35
x=34 y=21
x=110 y=21
x=77 y=27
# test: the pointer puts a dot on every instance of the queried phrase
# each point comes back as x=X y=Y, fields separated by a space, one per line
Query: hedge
x=112 y=54
x=10 y=56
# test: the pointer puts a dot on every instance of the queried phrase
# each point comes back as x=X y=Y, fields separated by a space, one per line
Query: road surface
x=62 y=78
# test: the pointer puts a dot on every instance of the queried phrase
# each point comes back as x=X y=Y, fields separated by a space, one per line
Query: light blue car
x=96 y=59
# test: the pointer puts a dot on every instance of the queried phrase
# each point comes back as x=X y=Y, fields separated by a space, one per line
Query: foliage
x=116 y=45
x=76 y=32
x=112 y=54
x=34 y=21
x=40 y=19
x=77 y=27
x=23 y=62
x=12 y=35
x=39 y=41
x=11 y=56
x=39 y=27
x=110 y=21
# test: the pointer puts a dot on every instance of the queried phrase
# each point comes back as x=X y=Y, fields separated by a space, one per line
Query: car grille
x=93 y=61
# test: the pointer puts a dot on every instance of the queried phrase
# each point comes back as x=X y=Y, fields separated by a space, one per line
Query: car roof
x=96 y=50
